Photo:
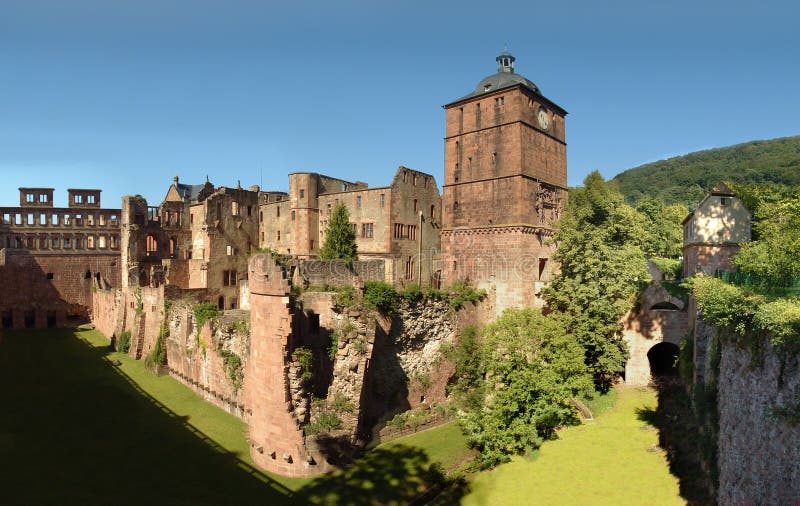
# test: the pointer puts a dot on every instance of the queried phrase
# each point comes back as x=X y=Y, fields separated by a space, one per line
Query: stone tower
x=505 y=185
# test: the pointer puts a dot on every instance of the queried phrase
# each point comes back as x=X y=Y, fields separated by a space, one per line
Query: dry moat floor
x=75 y=429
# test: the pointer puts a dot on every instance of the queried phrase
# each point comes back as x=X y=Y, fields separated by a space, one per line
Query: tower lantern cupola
x=505 y=62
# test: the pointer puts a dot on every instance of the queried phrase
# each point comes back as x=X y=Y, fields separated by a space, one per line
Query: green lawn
x=76 y=430
x=444 y=444
x=611 y=460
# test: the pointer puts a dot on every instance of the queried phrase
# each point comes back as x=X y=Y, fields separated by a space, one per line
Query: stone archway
x=663 y=358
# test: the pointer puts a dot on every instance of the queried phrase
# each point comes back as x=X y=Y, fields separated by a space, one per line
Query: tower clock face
x=544 y=119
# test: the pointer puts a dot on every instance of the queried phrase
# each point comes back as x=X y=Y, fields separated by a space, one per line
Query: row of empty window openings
x=44 y=198
x=62 y=242
x=405 y=231
x=46 y=219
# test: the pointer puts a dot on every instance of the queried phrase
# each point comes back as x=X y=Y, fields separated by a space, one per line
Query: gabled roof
x=189 y=192
x=722 y=189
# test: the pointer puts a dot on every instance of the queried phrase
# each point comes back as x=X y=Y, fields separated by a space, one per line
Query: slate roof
x=189 y=191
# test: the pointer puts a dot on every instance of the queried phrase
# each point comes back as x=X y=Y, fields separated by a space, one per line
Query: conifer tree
x=340 y=240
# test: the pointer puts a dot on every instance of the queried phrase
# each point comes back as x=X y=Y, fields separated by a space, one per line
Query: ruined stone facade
x=505 y=185
x=198 y=238
x=51 y=256
x=398 y=223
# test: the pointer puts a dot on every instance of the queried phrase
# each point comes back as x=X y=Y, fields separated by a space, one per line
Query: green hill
x=686 y=179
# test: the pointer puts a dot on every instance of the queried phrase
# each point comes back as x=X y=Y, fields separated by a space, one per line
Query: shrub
x=124 y=341
x=413 y=293
x=345 y=297
x=461 y=292
x=204 y=312
x=360 y=345
x=305 y=358
x=333 y=347
x=669 y=267
x=381 y=296
x=341 y=404
x=233 y=366
x=158 y=355
x=326 y=422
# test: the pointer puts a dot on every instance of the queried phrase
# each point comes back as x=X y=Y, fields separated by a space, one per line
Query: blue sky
x=124 y=95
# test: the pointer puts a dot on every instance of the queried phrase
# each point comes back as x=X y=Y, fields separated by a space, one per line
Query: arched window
x=152 y=246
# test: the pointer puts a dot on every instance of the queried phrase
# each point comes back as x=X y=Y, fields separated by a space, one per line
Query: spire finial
x=505 y=62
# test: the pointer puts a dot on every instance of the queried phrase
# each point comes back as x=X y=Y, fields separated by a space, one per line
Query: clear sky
x=122 y=95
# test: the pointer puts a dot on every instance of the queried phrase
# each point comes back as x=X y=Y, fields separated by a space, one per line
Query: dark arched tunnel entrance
x=663 y=359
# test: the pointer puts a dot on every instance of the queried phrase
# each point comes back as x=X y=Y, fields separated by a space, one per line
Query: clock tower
x=505 y=185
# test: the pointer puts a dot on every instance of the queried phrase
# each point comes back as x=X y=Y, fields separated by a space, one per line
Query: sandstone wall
x=336 y=272
x=198 y=358
x=758 y=452
x=108 y=312
x=48 y=290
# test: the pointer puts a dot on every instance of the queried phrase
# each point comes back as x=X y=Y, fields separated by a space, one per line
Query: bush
x=461 y=292
x=124 y=341
x=333 y=347
x=669 y=267
x=233 y=366
x=341 y=404
x=345 y=297
x=305 y=358
x=413 y=293
x=326 y=422
x=158 y=355
x=381 y=296
x=204 y=312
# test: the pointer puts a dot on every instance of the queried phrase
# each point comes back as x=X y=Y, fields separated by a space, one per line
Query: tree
x=665 y=232
x=526 y=371
x=340 y=240
x=776 y=253
x=603 y=268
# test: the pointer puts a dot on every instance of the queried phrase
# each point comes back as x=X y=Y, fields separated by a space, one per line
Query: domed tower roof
x=504 y=78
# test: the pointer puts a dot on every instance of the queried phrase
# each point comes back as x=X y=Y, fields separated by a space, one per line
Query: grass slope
x=445 y=445
x=76 y=430
x=607 y=461
x=94 y=433
x=686 y=179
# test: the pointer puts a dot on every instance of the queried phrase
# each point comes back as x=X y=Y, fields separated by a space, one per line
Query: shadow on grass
x=383 y=476
x=76 y=430
x=679 y=436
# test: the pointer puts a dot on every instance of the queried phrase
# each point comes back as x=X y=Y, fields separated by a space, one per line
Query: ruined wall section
x=210 y=361
x=354 y=348
x=758 y=449
x=340 y=272
x=407 y=367
x=277 y=441
x=108 y=312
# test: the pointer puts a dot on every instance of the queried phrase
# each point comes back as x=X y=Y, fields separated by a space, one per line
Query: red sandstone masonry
x=277 y=443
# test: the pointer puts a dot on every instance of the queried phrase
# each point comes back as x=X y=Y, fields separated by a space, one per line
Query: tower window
x=302 y=194
x=383 y=200
x=358 y=202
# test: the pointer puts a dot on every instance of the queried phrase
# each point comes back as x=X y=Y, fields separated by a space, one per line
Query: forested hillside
x=686 y=179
